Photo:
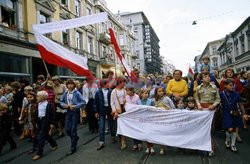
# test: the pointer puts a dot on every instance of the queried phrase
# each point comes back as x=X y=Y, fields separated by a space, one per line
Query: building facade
x=19 y=57
x=235 y=50
x=211 y=51
x=147 y=42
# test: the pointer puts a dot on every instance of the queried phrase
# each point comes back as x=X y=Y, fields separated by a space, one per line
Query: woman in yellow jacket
x=177 y=87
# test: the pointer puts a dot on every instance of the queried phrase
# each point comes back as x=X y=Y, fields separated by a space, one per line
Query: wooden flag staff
x=46 y=68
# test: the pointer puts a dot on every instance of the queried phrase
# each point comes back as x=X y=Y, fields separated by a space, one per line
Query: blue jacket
x=149 y=102
x=77 y=100
x=99 y=102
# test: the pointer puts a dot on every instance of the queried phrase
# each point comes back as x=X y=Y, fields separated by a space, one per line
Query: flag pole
x=46 y=68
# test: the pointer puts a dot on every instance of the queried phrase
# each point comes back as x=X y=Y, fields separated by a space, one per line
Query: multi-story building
x=147 y=42
x=19 y=57
x=211 y=51
x=197 y=62
x=125 y=39
x=167 y=66
x=235 y=50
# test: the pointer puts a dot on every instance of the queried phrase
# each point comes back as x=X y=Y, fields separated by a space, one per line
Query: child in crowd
x=29 y=119
x=25 y=102
x=180 y=104
x=46 y=122
x=5 y=127
x=205 y=65
x=102 y=110
x=191 y=104
x=162 y=101
x=132 y=98
x=144 y=100
x=72 y=100
x=8 y=94
x=231 y=113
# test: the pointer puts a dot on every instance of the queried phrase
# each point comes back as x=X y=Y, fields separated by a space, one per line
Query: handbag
x=234 y=113
x=26 y=132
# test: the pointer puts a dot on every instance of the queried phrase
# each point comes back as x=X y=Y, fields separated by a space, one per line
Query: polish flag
x=123 y=61
x=56 y=54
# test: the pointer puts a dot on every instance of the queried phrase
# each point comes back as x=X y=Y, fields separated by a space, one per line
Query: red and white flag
x=123 y=61
x=56 y=54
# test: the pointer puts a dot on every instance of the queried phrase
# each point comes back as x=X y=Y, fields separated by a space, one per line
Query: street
x=111 y=153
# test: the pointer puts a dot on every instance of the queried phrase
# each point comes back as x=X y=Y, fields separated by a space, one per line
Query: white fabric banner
x=175 y=127
x=70 y=23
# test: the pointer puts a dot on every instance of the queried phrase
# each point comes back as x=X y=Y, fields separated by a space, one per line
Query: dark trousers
x=44 y=135
x=92 y=120
x=102 y=121
x=71 y=120
x=6 y=137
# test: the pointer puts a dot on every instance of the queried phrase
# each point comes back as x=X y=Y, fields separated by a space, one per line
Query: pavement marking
x=80 y=145
x=143 y=158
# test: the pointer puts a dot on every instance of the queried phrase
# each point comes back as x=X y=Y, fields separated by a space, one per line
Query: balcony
x=107 y=61
x=104 y=38
x=242 y=56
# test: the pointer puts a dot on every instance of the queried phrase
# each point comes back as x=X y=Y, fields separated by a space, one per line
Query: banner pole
x=45 y=66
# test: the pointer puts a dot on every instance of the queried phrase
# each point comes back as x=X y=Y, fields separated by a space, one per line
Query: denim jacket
x=77 y=100
x=99 y=102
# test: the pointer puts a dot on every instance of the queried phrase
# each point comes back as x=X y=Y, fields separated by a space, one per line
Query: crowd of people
x=50 y=107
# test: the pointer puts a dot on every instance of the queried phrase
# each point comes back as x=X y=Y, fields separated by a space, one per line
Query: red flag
x=123 y=61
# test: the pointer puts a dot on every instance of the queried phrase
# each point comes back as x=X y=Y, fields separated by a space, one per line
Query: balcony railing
x=242 y=55
x=107 y=61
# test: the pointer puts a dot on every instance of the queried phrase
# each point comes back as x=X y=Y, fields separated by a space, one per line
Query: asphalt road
x=111 y=154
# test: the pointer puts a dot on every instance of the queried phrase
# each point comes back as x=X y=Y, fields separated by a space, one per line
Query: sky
x=180 y=41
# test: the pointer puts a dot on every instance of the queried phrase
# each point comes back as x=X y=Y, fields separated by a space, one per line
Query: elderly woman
x=177 y=87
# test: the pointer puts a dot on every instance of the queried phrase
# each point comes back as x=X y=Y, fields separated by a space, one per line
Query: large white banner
x=70 y=23
x=175 y=127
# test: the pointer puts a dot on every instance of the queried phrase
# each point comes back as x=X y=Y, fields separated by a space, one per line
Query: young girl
x=180 y=104
x=231 y=113
x=132 y=98
x=25 y=102
x=144 y=100
x=117 y=102
x=191 y=105
x=162 y=101
x=29 y=118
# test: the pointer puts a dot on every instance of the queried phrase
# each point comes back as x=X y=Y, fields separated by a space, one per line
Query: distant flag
x=190 y=72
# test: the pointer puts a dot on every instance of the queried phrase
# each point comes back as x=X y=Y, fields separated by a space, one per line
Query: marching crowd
x=50 y=106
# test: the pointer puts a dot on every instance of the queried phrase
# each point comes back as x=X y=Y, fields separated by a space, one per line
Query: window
x=78 y=8
x=12 y=63
x=64 y=2
x=214 y=50
x=79 y=40
x=242 y=46
x=90 y=45
x=89 y=12
x=248 y=42
x=44 y=18
x=215 y=62
x=8 y=13
x=65 y=37
x=122 y=39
